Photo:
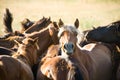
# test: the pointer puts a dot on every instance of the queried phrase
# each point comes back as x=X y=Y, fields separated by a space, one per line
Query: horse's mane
x=116 y=23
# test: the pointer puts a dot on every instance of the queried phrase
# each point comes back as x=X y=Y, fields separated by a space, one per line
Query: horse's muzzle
x=69 y=48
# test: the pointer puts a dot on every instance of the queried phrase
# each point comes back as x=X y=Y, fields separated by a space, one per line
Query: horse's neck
x=44 y=42
x=22 y=58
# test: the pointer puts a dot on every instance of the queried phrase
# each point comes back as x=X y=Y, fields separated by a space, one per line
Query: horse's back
x=99 y=55
x=56 y=68
x=12 y=69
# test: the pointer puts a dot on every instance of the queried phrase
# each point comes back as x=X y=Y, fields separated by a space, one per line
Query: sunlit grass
x=89 y=12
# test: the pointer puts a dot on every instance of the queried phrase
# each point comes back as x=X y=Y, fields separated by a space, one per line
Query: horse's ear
x=93 y=27
x=49 y=19
x=60 y=23
x=76 y=23
x=43 y=17
x=55 y=25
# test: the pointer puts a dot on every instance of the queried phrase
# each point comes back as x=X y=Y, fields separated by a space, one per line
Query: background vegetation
x=89 y=12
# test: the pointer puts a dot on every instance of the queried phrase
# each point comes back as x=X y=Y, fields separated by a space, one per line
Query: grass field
x=89 y=12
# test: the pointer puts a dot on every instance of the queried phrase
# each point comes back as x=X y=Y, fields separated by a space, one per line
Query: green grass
x=89 y=12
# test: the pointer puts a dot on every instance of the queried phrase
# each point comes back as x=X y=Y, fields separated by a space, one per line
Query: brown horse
x=58 y=68
x=9 y=42
x=18 y=67
x=38 y=25
x=55 y=66
x=91 y=60
x=46 y=37
x=118 y=73
x=25 y=24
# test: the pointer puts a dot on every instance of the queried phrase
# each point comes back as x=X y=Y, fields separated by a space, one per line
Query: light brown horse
x=18 y=67
x=55 y=66
x=96 y=63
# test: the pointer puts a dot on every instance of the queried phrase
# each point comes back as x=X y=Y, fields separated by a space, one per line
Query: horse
x=18 y=66
x=91 y=59
x=58 y=68
x=46 y=37
x=108 y=34
x=25 y=24
x=38 y=25
x=101 y=34
x=54 y=66
x=6 y=51
x=9 y=42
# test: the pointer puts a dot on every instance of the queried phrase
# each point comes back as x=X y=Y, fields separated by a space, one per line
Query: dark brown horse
x=90 y=60
x=9 y=42
x=18 y=67
x=6 y=51
x=26 y=23
x=108 y=34
x=38 y=25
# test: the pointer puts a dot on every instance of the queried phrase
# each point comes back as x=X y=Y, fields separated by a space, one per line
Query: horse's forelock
x=67 y=28
x=73 y=29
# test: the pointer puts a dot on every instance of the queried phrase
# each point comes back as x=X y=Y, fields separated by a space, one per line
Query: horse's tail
x=7 y=21
x=78 y=75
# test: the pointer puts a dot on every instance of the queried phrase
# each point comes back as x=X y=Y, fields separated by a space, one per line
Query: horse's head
x=53 y=31
x=109 y=33
x=28 y=48
x=26 y=23
x=69 y=37
x=38 y=25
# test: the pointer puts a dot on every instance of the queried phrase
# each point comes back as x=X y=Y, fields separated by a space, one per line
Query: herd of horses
x=50 y=50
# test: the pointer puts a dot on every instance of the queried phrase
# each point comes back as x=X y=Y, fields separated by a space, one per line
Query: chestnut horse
x=91 y=60
x=18 y=66
x=46 y=37
x=58 y=68
x=55 y=66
